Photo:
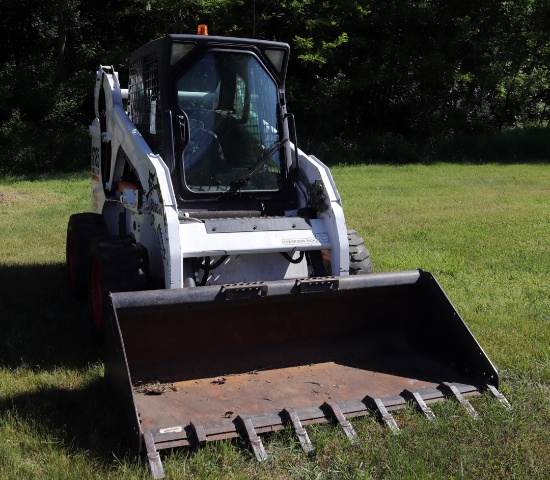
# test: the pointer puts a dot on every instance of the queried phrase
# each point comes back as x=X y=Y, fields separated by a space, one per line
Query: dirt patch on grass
x=10 y=198
x=25 y=200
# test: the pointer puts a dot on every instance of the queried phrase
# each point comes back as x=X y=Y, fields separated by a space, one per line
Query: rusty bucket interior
x=193 y=365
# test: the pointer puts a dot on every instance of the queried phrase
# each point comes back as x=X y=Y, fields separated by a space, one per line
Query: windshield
x=231 y=104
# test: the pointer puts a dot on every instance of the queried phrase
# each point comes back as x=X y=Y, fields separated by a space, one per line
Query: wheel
x=115 y=265
x=81 y=230
x=359 y=256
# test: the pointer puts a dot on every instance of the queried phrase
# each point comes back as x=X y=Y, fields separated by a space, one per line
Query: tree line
x=379 y=78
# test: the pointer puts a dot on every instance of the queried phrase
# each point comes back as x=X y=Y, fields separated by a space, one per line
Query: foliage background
x=370 y=80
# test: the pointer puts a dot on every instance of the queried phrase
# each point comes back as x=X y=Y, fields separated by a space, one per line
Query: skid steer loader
x=232 y=296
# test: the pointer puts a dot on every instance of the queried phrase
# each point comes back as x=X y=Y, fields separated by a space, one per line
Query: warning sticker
x=171 y=430
x=299 y=241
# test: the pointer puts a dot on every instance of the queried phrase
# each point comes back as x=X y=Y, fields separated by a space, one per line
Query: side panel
x=164 y=219
x=98 y=194
x=313 y=170
x=153 y=219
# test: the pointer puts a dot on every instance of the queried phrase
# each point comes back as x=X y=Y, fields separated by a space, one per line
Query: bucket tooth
x=255 y=440
x=384 y=414
x=301 y=432
x=153 y=456
x=421 y=404
x=467 y=405
x=199 y=432
x=336 y=412
x=500 y=397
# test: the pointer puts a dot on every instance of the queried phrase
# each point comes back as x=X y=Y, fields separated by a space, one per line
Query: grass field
x=483 y=231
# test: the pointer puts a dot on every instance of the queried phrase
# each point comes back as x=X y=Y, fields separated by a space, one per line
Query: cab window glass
x=231 y=103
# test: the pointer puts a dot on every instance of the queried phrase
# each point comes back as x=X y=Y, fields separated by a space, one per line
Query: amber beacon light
x=202 y=29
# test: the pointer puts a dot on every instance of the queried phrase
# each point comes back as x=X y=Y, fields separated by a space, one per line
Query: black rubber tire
x=81 y=230
x=359 y=256
x=115 y=265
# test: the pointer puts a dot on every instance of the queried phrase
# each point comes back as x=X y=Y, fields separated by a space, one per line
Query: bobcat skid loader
x=232 y=296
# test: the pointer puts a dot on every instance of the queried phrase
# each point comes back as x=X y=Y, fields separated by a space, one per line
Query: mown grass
x=484 y=231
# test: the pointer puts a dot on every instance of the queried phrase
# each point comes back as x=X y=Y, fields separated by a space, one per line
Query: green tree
x=401 y=71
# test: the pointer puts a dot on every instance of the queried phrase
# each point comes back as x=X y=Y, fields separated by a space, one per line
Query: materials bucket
x=200 y=364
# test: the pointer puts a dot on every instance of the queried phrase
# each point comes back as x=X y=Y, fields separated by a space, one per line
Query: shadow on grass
x=43 y=329
x=42 y=326
x=85 y=419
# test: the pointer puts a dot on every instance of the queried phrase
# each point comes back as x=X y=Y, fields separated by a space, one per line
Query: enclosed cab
x=213 y=157
x=214 y=109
